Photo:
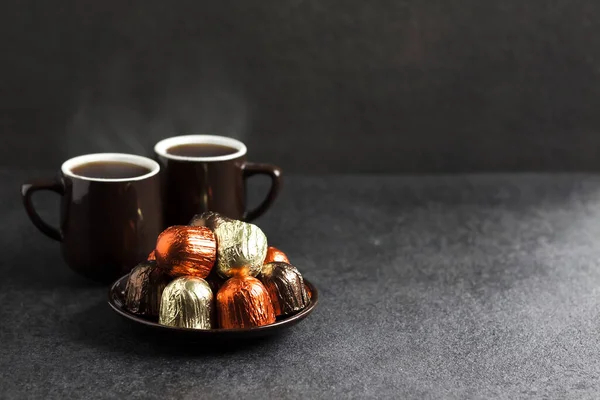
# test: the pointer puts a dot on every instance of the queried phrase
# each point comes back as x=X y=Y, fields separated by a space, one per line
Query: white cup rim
x=161 y=147
x=67 y=166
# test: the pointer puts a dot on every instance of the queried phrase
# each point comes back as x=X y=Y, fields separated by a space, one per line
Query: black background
x=314 y=86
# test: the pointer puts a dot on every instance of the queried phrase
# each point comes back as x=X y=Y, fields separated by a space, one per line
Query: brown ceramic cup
x=107 y=225
x=192 y=185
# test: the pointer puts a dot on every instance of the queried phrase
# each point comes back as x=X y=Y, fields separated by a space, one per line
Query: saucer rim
x=115 y=293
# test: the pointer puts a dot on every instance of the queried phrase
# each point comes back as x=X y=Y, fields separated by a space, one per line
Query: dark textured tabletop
x=459 y=287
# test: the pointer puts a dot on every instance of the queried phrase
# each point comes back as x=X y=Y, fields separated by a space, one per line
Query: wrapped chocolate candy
x=186 y=250
x=243 y=302
x=241 y=249
x=151 y=256
x=209 y=219
x=187 y=302
x=275 y=255
x=285 y=286
x=144 y=289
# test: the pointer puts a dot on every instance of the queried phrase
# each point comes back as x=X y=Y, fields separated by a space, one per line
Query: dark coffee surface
x=467 y=287
x=201 y=150
x=110 y=170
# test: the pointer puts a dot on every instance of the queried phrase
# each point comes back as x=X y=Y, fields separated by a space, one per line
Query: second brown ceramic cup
x=192 y=185
x=107 y=225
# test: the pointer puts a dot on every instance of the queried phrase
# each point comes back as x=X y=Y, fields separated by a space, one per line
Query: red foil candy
x=275 y=255
x=186 y=251
x=243 y=302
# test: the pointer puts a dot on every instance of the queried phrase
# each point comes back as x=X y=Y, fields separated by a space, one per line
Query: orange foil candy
x=243 y=302
x=275 y=255
x=186 y=251
x=151 y=256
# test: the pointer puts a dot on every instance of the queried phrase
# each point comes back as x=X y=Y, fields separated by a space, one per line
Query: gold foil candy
x=144 y=289
x=243 y=302
x=187 y=302
x=285 y=286
x=275 y=255
x=241 y=249
x=186 y=250
x=209 y=219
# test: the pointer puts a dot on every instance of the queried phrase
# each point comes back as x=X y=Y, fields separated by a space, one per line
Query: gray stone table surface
x=478 y=286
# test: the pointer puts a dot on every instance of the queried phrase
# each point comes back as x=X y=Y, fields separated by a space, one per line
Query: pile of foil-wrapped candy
x=215 y=272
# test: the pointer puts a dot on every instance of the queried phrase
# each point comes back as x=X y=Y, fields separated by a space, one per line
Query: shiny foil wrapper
x=285 y=286
x=308 y=292
x=241 y=249
x=151 y=256
x=186 y=250
x=243 y=302
x=275 y=255
x=187 y=302
x=144 y=289
x=209 y=219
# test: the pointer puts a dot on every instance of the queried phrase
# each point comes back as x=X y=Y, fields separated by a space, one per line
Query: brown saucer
x=115 y=300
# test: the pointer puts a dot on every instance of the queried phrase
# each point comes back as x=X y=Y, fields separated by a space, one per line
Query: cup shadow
x=98 y=326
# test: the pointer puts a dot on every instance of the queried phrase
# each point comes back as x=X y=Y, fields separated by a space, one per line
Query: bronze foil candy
x=209 y=219
x=285 y=286
x=275 y=255
x=241 y=249
x=243 y=302
x=186 y=250
x=187 y=302
x=144 y=289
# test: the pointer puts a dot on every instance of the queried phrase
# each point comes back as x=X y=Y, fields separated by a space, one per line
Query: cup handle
x=27 y=191
x=250 y=169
